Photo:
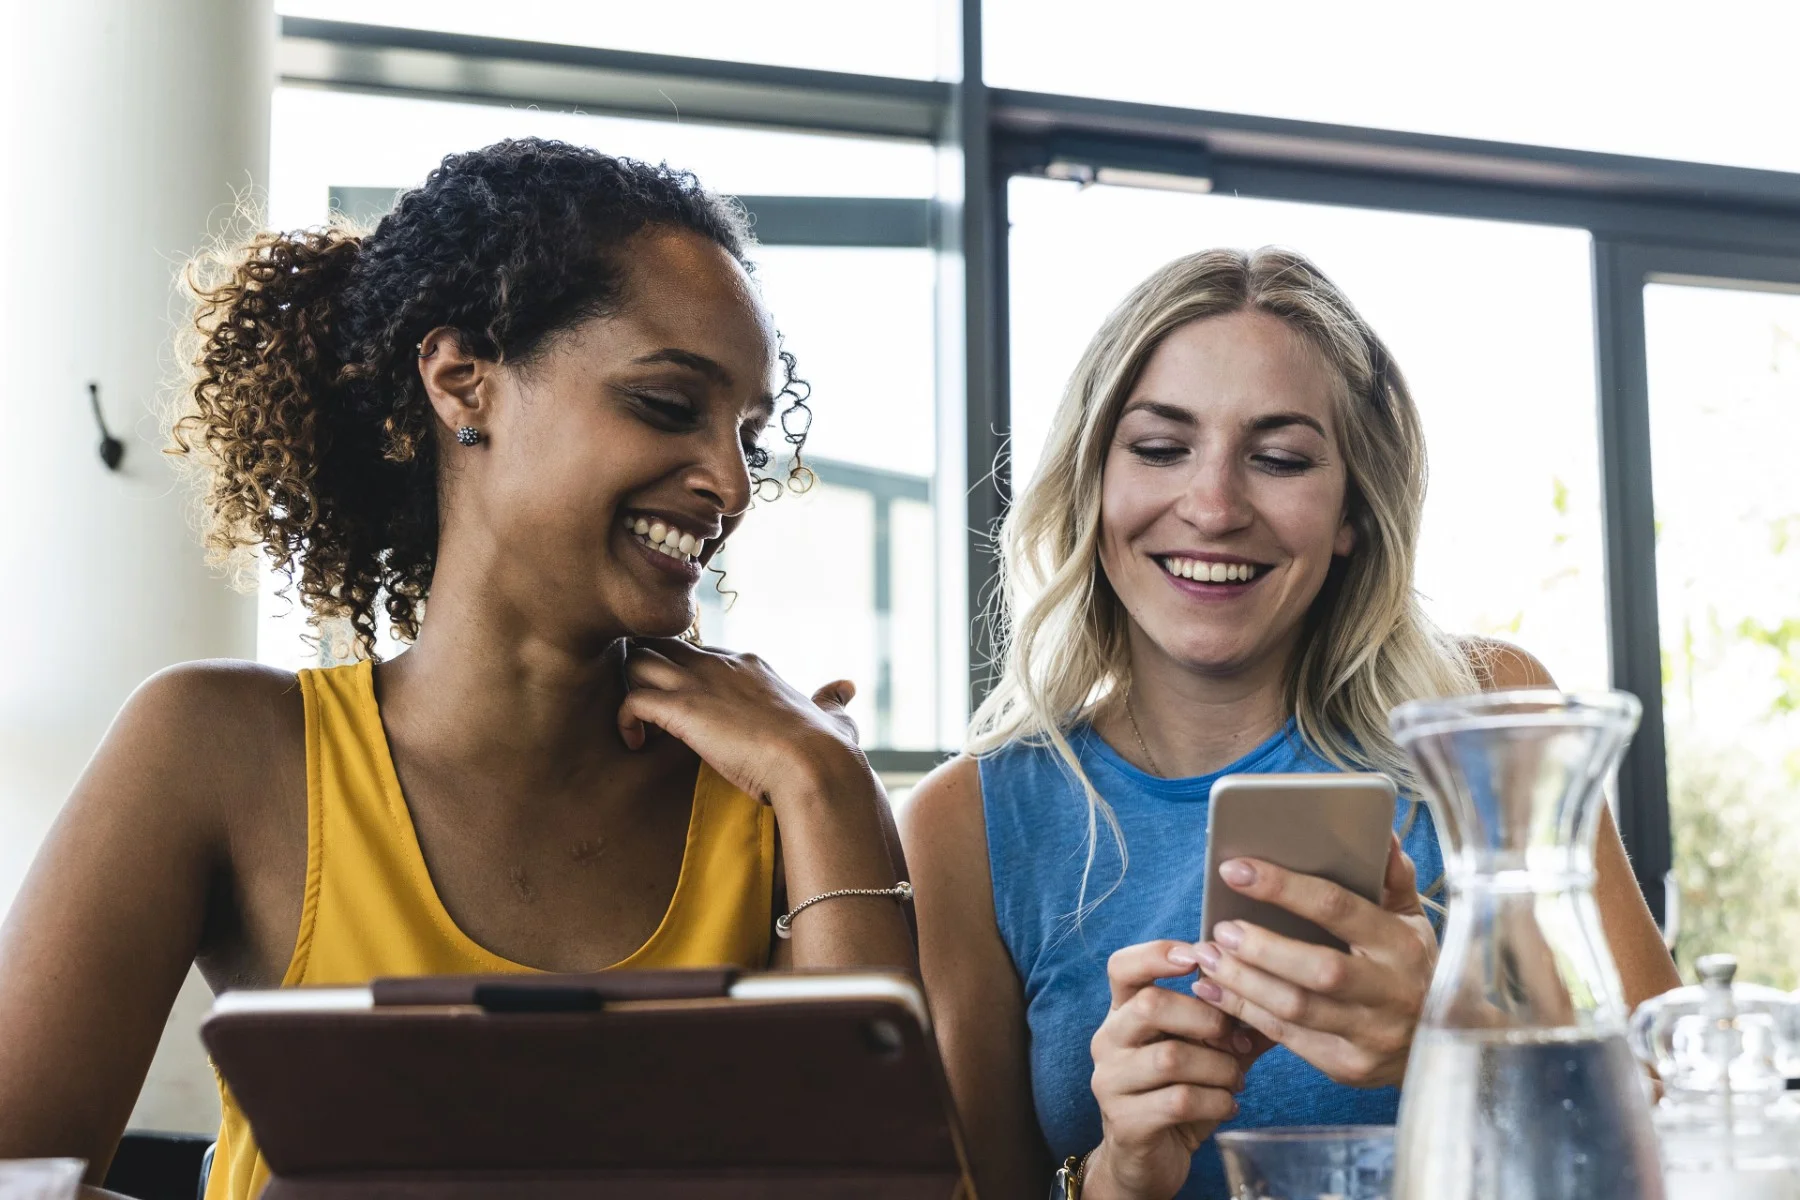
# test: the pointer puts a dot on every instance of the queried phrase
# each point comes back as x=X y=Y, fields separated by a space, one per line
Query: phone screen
x=1334 y=825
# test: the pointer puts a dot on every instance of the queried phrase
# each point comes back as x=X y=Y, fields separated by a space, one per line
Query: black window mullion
x=1622 y=375
x=977 y=231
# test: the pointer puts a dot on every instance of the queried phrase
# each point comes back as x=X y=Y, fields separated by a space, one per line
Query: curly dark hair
x=303 y=400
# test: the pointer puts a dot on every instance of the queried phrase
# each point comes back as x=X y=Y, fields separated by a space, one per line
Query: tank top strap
x=372 y=908
x=722 y=910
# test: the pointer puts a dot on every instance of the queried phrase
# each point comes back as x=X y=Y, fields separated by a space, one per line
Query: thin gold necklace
x=1148 y=757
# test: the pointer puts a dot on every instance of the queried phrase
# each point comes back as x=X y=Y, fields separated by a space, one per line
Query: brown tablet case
x=648 y=1084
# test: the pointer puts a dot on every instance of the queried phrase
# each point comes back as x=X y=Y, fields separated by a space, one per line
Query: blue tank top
x=1037 y=841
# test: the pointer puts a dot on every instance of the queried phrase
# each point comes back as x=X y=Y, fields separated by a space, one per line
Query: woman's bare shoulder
x=214 y=732
x=948 y=799
x=1501 y=666
x=123 y=894
x=221 y=683
x=228 y=705
x=942 y=824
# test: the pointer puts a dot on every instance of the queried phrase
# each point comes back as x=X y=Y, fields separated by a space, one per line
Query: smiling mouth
x=666 y=539
x=1202 y=570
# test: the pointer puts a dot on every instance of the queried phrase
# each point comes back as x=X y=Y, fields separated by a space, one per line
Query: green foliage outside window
x=1737 y=865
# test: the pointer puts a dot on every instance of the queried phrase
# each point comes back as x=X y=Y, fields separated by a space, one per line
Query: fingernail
x=1237 y=872
x=1184 y=956
x=1208 y=991
x=1228 y=934
x=1240 y=1041
x=1207 y=956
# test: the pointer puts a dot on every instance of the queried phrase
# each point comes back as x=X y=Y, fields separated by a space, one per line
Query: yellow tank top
x=370 y=908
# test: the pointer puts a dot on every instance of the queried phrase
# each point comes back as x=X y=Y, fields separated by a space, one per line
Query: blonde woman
x=1211 y=573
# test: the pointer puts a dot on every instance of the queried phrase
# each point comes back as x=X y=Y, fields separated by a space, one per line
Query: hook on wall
x=112 y=450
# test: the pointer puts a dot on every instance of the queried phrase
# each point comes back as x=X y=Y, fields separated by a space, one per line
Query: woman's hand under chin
x=1352 y=1015
x=800 y=757
x=761 y=735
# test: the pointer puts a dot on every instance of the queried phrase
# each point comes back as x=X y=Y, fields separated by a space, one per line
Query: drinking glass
x=1309 y=1162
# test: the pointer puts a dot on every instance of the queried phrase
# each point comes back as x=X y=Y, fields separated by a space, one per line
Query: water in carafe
x=1521 y=1085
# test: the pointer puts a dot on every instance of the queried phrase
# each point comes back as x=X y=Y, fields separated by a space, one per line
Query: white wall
x=125 y=128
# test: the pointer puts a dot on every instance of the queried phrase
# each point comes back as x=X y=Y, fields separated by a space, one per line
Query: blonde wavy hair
x=1367 y=644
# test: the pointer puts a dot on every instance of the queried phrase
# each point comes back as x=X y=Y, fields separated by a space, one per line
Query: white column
x=127 y=127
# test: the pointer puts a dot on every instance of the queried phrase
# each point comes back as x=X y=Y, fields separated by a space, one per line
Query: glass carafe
x=1521 y=1085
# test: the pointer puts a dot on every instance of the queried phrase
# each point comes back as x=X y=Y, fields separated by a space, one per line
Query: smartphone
x=1336 y=826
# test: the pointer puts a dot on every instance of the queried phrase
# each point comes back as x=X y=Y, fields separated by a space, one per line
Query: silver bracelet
x=784 y=924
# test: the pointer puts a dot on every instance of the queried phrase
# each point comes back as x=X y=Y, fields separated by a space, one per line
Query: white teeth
x=667 y=539
x=1209 y=572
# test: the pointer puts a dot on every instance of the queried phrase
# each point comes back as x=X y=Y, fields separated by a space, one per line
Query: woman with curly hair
x=518 y=419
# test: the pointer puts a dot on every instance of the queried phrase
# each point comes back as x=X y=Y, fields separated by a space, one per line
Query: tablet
x=641 y=1083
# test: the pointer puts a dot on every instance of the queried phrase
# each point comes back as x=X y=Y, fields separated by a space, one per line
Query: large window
x=842 y=581
x=1724 y=371
x=871 y=37
x=1490 y=323
x=1508 y=275
x=842 y=578
x=1705 y=84
x=321 y=140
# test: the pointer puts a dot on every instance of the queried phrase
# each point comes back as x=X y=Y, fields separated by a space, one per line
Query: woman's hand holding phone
x=1352 y=1015
x=1166 y=1072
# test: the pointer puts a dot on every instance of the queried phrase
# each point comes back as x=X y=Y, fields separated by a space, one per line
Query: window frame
x=1621 y=271
x=1649 y=219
